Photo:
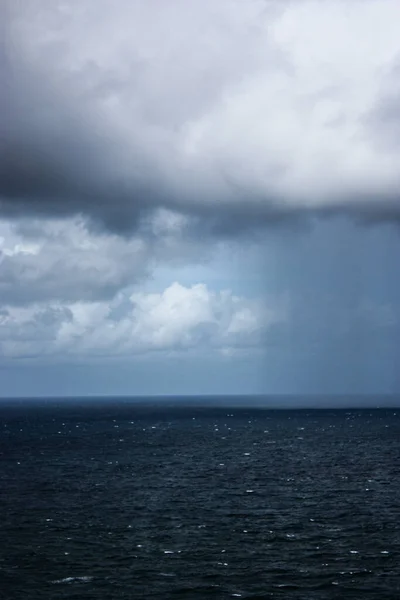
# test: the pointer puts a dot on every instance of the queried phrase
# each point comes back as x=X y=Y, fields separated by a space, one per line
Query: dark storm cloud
x=55 y=161
x=110 y=113
x=58 y=162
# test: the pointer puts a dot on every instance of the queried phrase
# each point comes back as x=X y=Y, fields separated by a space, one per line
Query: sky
x=199 y=197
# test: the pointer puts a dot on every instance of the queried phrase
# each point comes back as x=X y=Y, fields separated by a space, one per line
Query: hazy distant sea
x=114 y=500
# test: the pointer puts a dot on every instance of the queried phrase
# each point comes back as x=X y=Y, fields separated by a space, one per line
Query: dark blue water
x=117 y=500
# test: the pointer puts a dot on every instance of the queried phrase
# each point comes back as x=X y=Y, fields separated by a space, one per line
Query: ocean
x=118 y=499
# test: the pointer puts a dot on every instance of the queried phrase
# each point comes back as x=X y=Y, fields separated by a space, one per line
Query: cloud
x=177 y=319
x=194 y=320
x=232 y=113
x=64 y=260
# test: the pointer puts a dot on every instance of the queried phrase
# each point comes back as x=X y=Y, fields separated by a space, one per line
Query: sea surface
x=117 y=500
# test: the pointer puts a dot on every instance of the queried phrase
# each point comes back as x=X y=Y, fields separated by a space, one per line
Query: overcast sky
x=200 y=196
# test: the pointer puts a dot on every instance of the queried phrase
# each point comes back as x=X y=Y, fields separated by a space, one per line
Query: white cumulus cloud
x=177 y=319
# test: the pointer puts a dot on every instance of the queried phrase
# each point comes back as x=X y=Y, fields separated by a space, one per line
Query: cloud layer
x=61 y=259
x=140 y=136
x=233 y=113
x=177 y=319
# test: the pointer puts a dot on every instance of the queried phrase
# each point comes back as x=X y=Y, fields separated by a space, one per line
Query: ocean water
x=117 y=500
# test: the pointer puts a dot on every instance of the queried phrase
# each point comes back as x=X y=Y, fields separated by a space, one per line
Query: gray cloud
x=235 y=114
x=62 y=259
x=56 y=162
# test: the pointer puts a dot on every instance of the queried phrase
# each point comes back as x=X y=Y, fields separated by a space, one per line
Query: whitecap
x=84 y=579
